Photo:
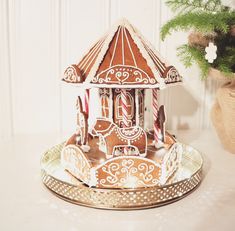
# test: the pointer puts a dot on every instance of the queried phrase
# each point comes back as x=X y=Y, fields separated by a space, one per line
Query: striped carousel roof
x=122 y=57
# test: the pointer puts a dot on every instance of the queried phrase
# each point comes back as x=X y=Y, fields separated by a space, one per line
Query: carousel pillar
x=111 y=113
x=124 y=108
x=86 y=101
x=156 y=129
x=124 y=113
x=137 y=114
x=86 y=108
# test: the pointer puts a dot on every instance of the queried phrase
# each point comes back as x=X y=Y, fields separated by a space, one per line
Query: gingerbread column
x=111 y=113
x=137 y=108
x=156 y=129
x=124 y=113
x=86 y=101
x=124 y=108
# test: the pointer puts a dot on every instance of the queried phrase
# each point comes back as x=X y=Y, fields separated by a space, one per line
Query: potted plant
x=211 y=44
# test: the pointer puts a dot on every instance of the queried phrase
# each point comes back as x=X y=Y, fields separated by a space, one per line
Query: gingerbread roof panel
x=124 y=57
x=90 y=58
x=123 y=63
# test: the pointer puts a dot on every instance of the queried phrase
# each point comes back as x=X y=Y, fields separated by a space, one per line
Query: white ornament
x=211 y=52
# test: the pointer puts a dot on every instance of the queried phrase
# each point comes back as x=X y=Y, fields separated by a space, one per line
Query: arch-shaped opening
x=105 y=106
x=130 y=106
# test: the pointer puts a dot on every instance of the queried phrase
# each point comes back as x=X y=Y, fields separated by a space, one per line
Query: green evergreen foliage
x=189 y=54
x=195 y=5
x=207 y=17
x=201 y=21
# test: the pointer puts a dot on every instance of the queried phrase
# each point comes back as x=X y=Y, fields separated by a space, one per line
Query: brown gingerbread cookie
x=116 y=139
x=161 y=119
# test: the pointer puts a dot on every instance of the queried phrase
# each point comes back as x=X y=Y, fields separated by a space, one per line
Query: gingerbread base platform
x=96 y=169
x=64 y=185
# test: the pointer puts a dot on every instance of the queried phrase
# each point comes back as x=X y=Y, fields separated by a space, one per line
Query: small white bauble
x=211 y=52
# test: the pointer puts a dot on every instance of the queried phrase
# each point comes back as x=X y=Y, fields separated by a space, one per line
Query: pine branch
x=227 y=71
x=201 y=21
x=188 y=55
x=181 y=6
x=206 y=17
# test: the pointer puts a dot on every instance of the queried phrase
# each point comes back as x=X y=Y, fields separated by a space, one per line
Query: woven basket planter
x=223 y=112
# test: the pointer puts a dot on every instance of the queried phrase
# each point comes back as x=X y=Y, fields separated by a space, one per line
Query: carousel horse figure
x=116 y=138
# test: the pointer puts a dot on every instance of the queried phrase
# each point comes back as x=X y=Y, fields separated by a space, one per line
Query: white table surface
x=27 y=205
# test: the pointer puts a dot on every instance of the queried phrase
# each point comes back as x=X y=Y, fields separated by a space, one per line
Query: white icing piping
x=115 y=46
x=94 y=55
x=129 y=157
x=152 y=55
x=151 y=47
x=86 y=59
x=78 y=150
x=157 y=59
x=137 y=116
x=102 y=100
x=148 y=53
x=111 y=105
x=138 y=42
x=130 y=47
x=123 y=53
x=145 y=54
x=101 y=54
x=110 y=130
x=132 y=86
x=93 y=180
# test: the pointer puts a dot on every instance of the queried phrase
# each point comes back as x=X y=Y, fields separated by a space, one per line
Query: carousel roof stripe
x=155 y=59
x=139 y=42
x=101 y=54
x=91 y=56
x=152 y=48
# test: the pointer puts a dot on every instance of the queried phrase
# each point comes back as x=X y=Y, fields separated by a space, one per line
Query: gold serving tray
x=67 y=187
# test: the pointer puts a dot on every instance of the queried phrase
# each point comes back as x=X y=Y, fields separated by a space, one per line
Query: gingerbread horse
x=82 y=124
x=116 y=139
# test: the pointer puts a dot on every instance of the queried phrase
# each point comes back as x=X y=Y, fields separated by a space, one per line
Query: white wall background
x=40 y=38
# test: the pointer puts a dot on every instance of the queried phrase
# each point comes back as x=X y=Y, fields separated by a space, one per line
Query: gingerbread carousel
x=114 y=161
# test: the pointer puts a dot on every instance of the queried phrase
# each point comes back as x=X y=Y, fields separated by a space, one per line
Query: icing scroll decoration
x=171 y=162
x=123 y=74
x=128 y=172
x=75 y=160
x=172 y=75
x=73 y=75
